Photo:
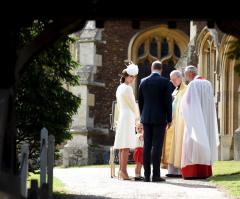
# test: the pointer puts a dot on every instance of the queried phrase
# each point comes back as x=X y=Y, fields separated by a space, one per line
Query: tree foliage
x=42 y=99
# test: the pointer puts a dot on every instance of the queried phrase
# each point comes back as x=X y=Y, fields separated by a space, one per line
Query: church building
x=102 y=54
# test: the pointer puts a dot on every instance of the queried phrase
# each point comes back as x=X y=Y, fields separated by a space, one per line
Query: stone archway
x=157 y=43
x=229 y=99
x=207 y=50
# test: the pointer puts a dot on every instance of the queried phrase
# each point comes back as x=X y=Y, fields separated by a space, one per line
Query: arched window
x=154 y=48
x=207 y=59
x=157 y=43
x=230 y=82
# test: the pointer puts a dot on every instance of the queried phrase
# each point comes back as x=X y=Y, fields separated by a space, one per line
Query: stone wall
x=99 y=143
x=76 y=151
x=190 y=57
x=228 y=144
x=237 y=145
x=117 y=36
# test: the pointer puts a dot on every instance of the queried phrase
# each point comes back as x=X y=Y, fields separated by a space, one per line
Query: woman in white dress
x=128 y=117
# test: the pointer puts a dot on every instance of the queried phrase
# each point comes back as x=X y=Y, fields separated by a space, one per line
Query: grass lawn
x=58 y=186
x=226 y=175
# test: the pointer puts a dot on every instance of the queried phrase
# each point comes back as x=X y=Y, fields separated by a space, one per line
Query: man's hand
x=137 y=120
x=141 y=137
x=168 y=125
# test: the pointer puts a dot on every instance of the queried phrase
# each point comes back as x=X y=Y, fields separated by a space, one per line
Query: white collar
x=156 y=72
x=197 y=76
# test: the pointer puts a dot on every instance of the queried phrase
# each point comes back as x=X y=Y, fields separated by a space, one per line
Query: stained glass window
x=141 y=50
x=177 y=52
x=157 y=47
x=208 y=65
x=153 y=48
x=144 y=70
x=164 y=48
x=168 y=67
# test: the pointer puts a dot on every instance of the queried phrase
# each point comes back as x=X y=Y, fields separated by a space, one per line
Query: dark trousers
x=152 y=150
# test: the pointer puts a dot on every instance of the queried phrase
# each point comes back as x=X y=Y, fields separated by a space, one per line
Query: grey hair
x=177 y=73
x=192 y=69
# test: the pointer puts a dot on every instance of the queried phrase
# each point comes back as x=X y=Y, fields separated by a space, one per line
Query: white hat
x=132 y=69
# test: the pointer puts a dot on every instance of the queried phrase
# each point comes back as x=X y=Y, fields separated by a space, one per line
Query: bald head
x=176 y=77
x=176 y=73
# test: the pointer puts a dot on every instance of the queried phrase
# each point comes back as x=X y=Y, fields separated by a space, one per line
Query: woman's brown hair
x=123 y=76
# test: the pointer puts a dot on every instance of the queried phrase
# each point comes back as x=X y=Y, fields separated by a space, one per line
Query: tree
x=41 y=99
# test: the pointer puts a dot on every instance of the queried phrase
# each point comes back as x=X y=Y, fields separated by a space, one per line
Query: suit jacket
x=155 y=100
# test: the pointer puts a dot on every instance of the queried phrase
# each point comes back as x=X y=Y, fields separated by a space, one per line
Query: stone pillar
x=191 y=50
x=239 y=105
x=76 y=151
x=237 y=144
x=237 y=133
x=226 y=142
x=189 y=57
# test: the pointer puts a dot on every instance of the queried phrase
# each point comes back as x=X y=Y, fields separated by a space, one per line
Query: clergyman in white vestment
x=201 y=139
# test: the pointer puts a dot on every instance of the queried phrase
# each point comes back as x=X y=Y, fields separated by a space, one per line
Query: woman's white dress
x=128 y=113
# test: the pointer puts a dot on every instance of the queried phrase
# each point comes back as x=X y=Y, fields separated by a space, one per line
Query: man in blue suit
x=155 y=104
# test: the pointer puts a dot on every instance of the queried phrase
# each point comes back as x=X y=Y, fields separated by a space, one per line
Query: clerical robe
x=166 y=146
x=172 y=149
x=175 y=153
x=201 y=139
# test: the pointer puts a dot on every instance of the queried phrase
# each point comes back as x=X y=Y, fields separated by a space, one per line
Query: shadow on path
x=76 y=196
x=190 y=185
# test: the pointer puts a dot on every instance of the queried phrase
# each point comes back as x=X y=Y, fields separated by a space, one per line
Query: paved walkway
x=97 y=183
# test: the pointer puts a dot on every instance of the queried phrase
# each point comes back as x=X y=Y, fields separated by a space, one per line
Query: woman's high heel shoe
x=118 y=176
x=124 y=176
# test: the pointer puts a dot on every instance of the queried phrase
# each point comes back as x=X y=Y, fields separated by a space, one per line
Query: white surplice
x=201 y=139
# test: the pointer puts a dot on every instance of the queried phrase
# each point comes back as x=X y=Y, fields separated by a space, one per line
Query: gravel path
x=97 y=183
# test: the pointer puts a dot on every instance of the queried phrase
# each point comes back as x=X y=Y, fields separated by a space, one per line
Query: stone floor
x=97 y=183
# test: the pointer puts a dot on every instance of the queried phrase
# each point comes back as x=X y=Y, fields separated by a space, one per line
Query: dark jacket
x=155 y=100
